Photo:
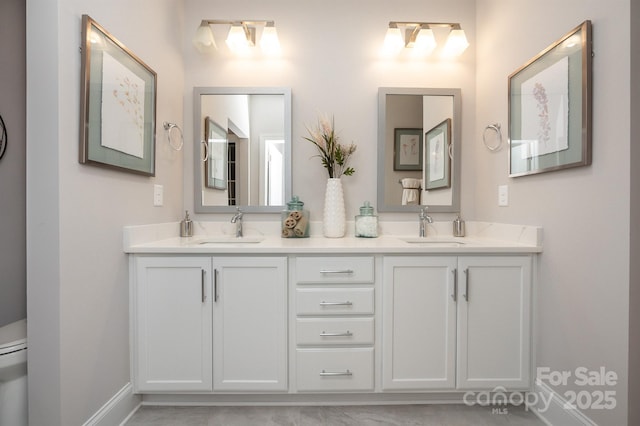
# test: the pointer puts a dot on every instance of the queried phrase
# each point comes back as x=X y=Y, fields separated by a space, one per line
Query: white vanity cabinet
x=494 y=322
x=171 y=314
x=250 y=323
x=418 y=323
x=334 y=323
x=456 y=322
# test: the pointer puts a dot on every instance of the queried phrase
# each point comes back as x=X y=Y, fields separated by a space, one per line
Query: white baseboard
x=557 y=412
x=117 y=410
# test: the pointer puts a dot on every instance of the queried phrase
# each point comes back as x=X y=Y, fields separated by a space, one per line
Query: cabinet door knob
x=454 y=295
x=335 y=373
x=347 y=303
x=466 y=285
x=336 y=271
x=202 y=287
x=339 y=334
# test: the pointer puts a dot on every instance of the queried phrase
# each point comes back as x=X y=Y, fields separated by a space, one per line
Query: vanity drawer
x=334 y=301
x=334 y=331
x=335 y=369
x=349 y=269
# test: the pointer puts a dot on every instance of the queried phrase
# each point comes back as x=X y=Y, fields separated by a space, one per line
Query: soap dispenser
x=458 y=227
x=186 y=226
x=366 y=222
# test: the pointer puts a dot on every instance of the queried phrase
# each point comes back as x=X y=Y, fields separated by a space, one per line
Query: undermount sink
x=231 y=240
x=433 y=242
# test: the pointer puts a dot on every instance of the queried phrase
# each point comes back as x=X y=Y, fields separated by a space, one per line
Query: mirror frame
x=198 y=132
x=456 y=163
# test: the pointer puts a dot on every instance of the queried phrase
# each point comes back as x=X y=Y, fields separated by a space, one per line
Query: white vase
x=334 y=220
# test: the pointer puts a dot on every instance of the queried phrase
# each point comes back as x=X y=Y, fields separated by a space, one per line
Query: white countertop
x=482 y=237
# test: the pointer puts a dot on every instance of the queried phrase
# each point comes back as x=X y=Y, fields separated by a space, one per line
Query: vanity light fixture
x=241 y=36
x=420 y=37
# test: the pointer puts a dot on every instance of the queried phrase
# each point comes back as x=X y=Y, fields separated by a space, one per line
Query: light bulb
x=393 y=42
x=269 y=41
x=203 y=40
x=456 y=43
x=237 y=39
x=425 y=42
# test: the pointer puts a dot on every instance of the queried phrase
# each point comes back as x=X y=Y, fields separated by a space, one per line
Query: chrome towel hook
x=168 y=127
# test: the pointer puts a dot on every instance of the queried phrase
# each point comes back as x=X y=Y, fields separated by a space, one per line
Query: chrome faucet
x=237 y=219
x=424 y=219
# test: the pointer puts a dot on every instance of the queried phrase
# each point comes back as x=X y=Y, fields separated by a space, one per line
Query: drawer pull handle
x=343 y=334
x=336 y=271
x=347 y=303
x=335 y=373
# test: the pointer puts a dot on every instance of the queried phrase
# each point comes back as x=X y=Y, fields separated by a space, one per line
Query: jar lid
x=295 y=203
x=366 y=210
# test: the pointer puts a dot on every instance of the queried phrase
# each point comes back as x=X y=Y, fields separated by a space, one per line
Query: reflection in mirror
x=418 y=149
x=244 y=146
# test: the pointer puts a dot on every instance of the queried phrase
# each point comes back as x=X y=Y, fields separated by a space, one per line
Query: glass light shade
x=425 y=42
x=269 y=41
x=393 y=42
x=456 y=43
x=237 y=39
x=203 y=40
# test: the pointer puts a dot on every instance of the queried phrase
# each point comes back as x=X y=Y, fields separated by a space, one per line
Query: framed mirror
x=243 y=149
x=419 y=128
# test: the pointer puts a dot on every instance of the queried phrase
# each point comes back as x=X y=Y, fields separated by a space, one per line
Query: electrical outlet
x=503 y=195
x=158 y=195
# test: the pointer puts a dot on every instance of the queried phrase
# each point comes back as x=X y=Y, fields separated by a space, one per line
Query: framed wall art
x=407 y=152
x=117 y=103
x=437 y=172
x=217 y=148
x=550 y=107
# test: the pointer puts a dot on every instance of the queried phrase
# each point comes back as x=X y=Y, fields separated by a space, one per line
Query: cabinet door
x=494 y=337
x=250 y=324
x=419 y=323
x=172 y=324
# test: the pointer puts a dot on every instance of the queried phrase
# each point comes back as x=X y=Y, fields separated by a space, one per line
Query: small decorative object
x=117 y=104
x=335 y=158
x=458 y=227
x=438 y=143
x=366 y=222
x=295 y=220
x=186 y=226
x=407 y=149
x=550 y=111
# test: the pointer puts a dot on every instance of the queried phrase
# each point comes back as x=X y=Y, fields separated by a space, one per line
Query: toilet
x=13 y=374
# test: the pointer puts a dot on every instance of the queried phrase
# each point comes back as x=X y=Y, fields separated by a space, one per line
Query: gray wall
x=634 y=233
x=582 y=313
x=13 y=280
x=77 y=272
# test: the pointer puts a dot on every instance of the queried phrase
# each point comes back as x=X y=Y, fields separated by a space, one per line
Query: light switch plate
x=503 y=195
x=158 y=195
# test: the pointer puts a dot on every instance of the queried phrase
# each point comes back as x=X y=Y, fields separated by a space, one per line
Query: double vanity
x=215 y=318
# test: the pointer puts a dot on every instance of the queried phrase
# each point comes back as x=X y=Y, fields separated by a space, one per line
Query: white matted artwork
x=122 y=108
x=546 y=96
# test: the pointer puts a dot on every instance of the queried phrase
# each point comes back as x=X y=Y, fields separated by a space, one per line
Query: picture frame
x=117 y=104
x=550 y=107
x=217 y=142
x=407 y=149
x=437 y=156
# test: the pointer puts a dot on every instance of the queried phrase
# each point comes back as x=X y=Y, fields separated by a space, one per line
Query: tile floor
x=379 y=415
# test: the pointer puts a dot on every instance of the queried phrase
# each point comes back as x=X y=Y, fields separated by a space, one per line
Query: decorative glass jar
x=366 y=222
x=295 y=220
